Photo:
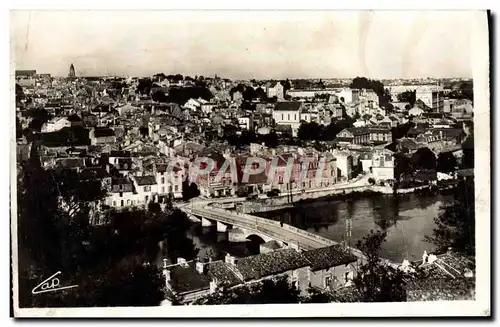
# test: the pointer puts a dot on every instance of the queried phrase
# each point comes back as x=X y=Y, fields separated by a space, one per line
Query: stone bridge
x=242 y=227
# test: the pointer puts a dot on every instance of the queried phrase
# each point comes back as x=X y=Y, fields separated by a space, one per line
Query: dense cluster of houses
x=145 y=149
x=325 y=269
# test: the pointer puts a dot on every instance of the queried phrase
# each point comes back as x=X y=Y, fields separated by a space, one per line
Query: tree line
x=113 y=264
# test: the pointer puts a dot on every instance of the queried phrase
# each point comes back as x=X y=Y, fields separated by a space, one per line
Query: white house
x=122 y=194
x=192 y=104
x=382 y=165
x=146 y=189
x=344 y=164
x=349 y=95
x=55 y=124
x=275 y=90
x=169 y=179
x=207 y=108
x=126 y=109
x=288 y=113
x=244 y=122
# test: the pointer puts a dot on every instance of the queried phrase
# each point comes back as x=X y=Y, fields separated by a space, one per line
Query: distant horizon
x=246 y=79
x=246 y=44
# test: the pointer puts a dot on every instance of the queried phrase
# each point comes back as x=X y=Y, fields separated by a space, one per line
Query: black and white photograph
x=219 y=163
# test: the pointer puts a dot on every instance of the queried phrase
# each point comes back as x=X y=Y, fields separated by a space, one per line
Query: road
x=267 y=227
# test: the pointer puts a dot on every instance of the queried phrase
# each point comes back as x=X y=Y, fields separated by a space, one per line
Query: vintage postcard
x=250 y=163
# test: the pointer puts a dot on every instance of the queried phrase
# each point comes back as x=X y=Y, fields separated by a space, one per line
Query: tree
x=19 y=129
x=408 y=96
x=402 y=165
x=271 y=140
x=423 y=158
x=159 y=96
x=189 y=191
x=125 y=285
x=455 y=224
x=400 y=131
x=249 y=94
x=39 y=117
x=144 y=86
x=446 y=162
x=260 y=93
x=309 y=131
x=376 y=281
x=468 y=151
x=276 y=290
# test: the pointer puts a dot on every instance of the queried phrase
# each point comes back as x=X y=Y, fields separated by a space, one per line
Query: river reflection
x=406 y=218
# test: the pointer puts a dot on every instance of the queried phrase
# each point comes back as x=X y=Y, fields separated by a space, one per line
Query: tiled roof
x=408 y=143
x=276 y=262
x=103 y=132
x=327 y=257
x=283 y=128
x=188 y=279
x=358 y=130
x=71 y=162
x=145 y=180
x=121 y=185
x=440 y=289
x=93 y=173
x=272 y=245
x=220 y=271
x=288 y=106
x=74 y=118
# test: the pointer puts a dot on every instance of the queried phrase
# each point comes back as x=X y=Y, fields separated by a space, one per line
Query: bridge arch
x=257 y=239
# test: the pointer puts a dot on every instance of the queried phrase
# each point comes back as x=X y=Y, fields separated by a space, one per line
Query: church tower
x=71 y=71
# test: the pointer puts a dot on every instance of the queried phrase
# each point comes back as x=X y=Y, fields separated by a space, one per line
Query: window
x=128 y=202
x=121 y=194
x=147 y=188
x=163 y=189
x=170 y=189
x=282 y=116
x=295 y=117
x=288 y=117
x=280 y=179
x=146 y=198
x=122 y=203
x=163 y=180
x=114 y=203
x=176 y=188
x=328 y=282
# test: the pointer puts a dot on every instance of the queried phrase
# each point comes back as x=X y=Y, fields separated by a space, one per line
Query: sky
x=245 y=44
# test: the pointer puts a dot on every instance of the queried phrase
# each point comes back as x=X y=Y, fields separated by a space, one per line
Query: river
x=405 y=218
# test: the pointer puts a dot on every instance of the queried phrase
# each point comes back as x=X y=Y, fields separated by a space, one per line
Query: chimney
x=432 y=258
x=166 y=273
x=200 y=267
x=229 y=259
x=424 y=257
x=293 y=245
x=182 y=262
x=213 y=286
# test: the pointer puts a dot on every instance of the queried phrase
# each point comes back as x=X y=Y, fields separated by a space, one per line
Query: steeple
x=71 y=71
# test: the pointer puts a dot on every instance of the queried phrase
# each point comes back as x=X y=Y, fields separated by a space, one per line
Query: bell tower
x=71 y=71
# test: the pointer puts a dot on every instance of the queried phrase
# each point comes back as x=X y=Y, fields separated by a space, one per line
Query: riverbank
x=286 y=201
